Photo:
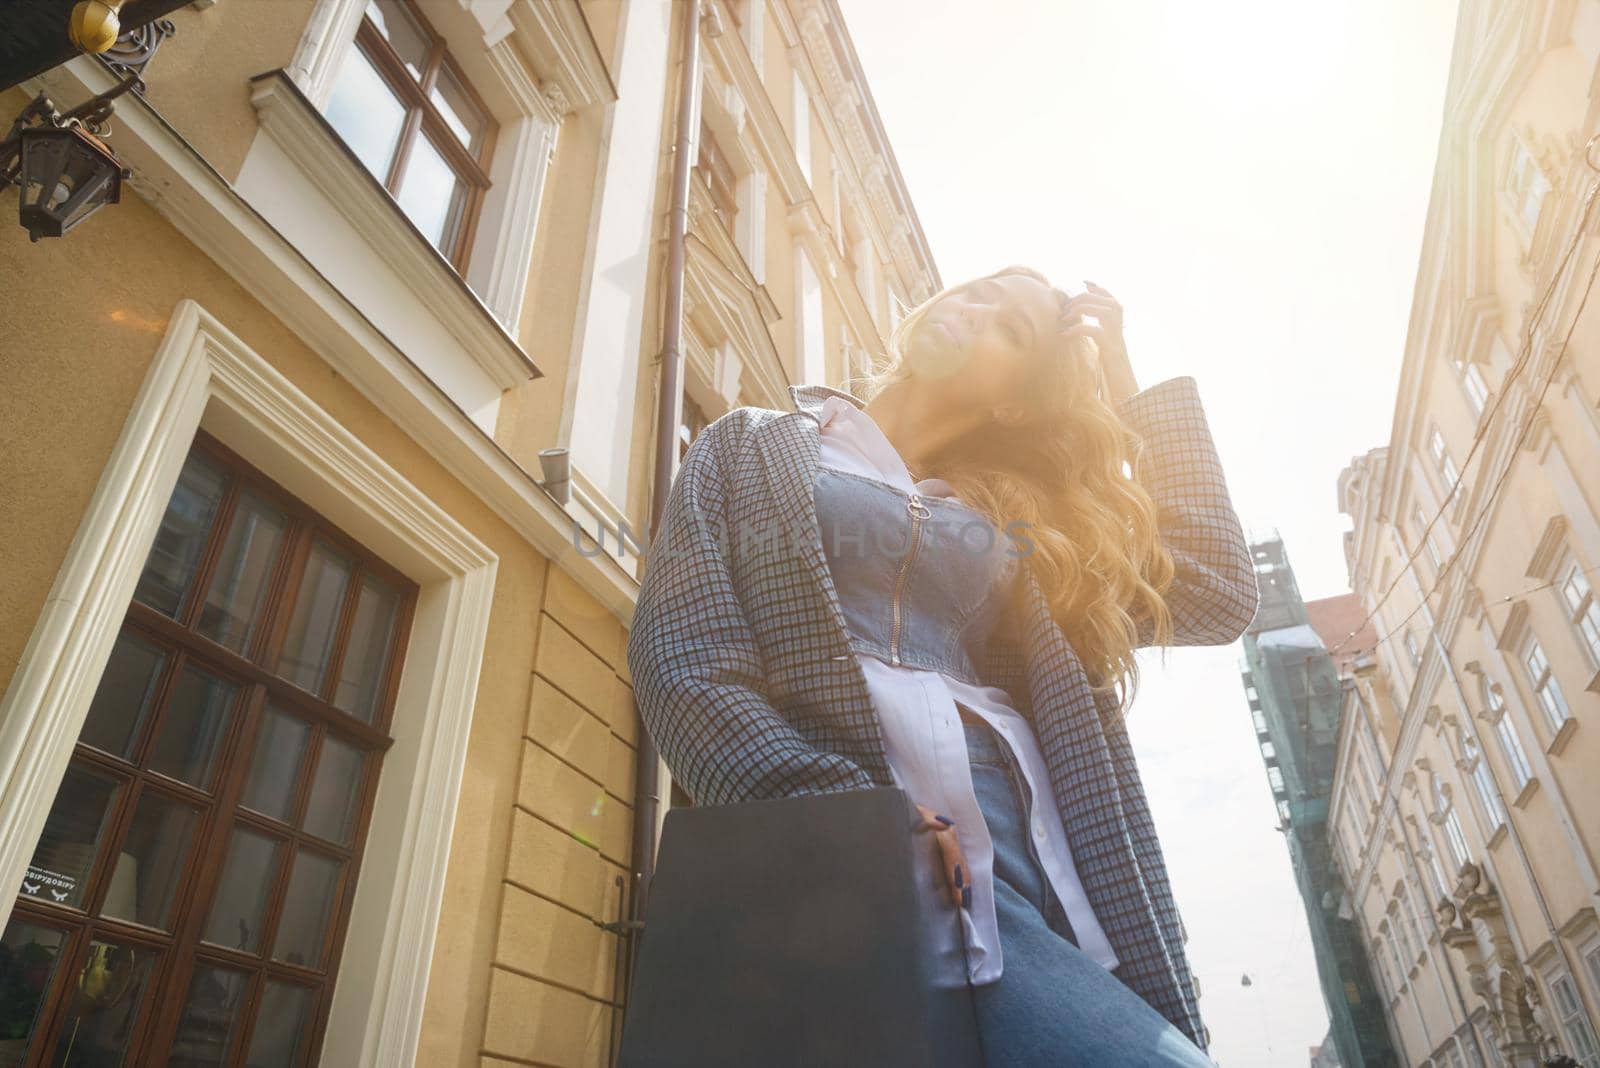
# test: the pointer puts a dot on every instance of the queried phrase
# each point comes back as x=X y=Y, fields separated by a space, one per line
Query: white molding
x=289 y=119
x=203 y=375
x=328 y=37
x=200 y=204
x=503 y=251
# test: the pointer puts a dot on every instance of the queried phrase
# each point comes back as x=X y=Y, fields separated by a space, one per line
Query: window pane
x=211 y=1015
x=62 y=859
x=459 y=112
x=241 y=898
x=403 y=32
x=175 y=554
x=314 y=625
x=239 y=586
x=150 y=864
x=282 y=1027
x=99 y=1025
x=366 y=658
x=366 y=113
x=334 y=792
x=28 y=956
x=306 y=910
x=432 y=194
x=122 y=700
x=273 y=769
x=193 y=727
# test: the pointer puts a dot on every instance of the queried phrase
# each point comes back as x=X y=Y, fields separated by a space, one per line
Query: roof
x=1333 y=618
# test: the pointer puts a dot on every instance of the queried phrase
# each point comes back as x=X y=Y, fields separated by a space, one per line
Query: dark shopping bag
x=799 y=931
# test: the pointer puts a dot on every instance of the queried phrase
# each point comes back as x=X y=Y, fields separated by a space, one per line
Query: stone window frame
x=1576 y=1030
x=530 y=115
x=1496 y=713
x=204 y=377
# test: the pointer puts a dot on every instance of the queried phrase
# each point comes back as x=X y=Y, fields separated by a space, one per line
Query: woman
x=816 y=615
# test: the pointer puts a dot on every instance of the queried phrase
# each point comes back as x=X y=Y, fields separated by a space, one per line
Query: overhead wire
x=1499 y=484
x=1480 y=434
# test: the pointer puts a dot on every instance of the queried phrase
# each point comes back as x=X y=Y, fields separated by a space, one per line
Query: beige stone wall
x=76 y=350
x=1541 y=860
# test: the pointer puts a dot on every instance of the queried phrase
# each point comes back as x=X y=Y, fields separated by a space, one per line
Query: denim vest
x=921 y=579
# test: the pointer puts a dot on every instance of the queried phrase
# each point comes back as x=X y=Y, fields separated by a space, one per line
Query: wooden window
x=187 y=900
x=403 y=107
x=716 y=173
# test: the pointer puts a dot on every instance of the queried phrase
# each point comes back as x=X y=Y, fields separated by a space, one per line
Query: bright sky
x=1249 y=178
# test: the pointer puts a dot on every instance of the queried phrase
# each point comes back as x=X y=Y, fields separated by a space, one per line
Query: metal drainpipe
x=646 y=780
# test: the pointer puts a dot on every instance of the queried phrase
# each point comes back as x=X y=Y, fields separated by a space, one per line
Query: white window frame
x=1371 y=788
x=528 y=117
x=1527 y=185
x=203 y=376
x=1477 y=769
x=1443 y=464
x=1542 y=681
x=811 y=346
x=1382 y=967
x=1566 y=1005
x=1578 y=602
x=1445 y=811
x=1456 y=839
x=1494 y=704
x=1403 y=934
x=1428 y=547
x=800 y=119
x=1401 y=972
x=1475 y=386
x=1441 y=885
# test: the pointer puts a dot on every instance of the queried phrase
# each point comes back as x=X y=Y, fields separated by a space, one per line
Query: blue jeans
x=1052 y=1005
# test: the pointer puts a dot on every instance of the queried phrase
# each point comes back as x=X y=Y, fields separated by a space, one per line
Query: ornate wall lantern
x=63 y=171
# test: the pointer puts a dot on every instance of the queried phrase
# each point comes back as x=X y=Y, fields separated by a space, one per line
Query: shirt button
x=1038 y=830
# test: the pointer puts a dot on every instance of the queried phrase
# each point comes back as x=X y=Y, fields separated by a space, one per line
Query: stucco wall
x=81 y=323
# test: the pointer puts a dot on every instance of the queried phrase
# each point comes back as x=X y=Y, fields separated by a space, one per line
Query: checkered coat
x=744 y=676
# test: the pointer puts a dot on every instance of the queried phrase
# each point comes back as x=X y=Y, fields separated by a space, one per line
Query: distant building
x=1466 y=804
x=1325 y=1055
x=1293 y=687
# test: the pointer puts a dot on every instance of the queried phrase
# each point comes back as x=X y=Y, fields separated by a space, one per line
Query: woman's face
x=985 y=338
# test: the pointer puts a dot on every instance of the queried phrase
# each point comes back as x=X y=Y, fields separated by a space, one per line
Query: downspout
x=646 y=799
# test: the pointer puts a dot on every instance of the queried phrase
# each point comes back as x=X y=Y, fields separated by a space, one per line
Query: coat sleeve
x=698 y=676
x=1213 y=595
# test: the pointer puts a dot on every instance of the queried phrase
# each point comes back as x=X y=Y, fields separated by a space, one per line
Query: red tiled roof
x=1333 y=618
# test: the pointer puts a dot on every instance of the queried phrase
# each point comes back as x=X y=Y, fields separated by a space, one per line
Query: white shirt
x=926 y=743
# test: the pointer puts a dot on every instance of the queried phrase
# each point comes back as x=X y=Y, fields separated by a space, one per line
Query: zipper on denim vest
x=919 y=512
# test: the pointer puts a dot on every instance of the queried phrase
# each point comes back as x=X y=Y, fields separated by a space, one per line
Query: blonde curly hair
x=1070 y=471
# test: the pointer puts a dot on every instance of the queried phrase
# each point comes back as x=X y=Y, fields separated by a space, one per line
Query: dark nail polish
x=961 y=880
x=946 y=820
x=966 y=897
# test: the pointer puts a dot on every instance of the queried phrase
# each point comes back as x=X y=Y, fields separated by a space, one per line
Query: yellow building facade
x=1466 y=808
x=317 y=742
